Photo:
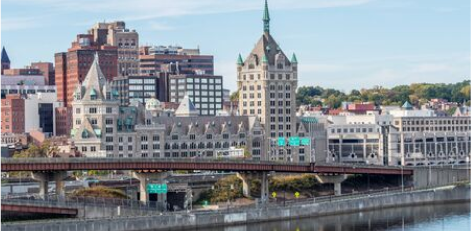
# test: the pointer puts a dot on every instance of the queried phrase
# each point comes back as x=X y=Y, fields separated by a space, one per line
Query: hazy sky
x=343 y=44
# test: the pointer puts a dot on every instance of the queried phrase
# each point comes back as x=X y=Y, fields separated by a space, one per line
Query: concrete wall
x=434 y=177
x=200 y=220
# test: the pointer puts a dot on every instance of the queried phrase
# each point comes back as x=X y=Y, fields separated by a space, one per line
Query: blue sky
x=343 y=44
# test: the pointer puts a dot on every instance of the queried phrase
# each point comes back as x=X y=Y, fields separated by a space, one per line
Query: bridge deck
x=154 y=164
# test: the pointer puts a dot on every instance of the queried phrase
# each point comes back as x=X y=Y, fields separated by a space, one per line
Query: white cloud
x=16 y=23
x=149 y=9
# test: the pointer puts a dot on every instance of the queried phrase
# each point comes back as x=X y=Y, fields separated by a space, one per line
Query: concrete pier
x=144 y=178
x=333 y=179
x=44 y=177
x=247 y=177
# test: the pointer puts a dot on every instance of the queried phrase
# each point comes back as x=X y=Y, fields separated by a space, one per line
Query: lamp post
x=467 y=169
x=402 y=177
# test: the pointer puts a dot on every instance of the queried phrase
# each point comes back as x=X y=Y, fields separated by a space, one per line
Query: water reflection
x=453 y=217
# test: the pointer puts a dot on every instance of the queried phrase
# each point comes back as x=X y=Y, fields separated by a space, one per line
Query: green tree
x=234 y=96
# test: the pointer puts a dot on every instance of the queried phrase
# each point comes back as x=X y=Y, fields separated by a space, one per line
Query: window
x=109 y=130
x=94 y=121
x=155 y=138
x=109 y=147
x=129 y=147
x=77 y=111
x=93 y=149
x=109 y=121
x=109 y=110
x=143 y=138
x=92 y=110
x=109 y=139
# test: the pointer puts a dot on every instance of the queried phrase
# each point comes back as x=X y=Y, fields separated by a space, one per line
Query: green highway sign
x=294 y=141
x=157 y=188
x=281 y=141
x=305 y=141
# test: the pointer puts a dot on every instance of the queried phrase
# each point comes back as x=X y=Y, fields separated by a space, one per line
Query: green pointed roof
x=266 y=18
x=264 y=59
x=93 y=92
x=407 y=106
x=294 y=59
x=240 y=61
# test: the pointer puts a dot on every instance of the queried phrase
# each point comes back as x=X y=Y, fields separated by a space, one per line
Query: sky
x=342 y=44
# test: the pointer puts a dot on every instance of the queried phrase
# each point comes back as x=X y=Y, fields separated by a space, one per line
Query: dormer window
x=93 y=94
x=85 y=134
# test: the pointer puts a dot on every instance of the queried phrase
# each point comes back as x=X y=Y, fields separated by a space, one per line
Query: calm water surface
x=448 y=217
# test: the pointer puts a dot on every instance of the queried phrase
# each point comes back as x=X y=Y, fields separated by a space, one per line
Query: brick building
x=72 y=66
x=189 y=61
x=13 y=114
x=47 y=70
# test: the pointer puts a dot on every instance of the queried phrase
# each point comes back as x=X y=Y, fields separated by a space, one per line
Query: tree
x=45 y=150
x=234 y=96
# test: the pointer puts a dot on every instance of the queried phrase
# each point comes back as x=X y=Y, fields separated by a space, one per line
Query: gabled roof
x=5 y=58
x=94 y=81
x=186 y=108
x=266 y=49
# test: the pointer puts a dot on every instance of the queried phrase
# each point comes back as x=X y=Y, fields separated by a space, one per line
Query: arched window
x=201 y=145
x=225 y=145
x=192 y=146
x=184 y=146
x=218 y=145
x=209 y=145
x=167 y=146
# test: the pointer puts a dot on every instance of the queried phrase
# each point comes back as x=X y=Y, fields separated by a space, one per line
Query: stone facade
x=101 y=128
x=267 y=82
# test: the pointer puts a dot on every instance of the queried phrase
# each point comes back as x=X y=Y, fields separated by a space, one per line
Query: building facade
x=267 y=81
x=72 y=66
x=47 y=70
x=41 y=111
x=101 y=128
x=141 y=88
x=126 y=40
x=13 y=114
x=205 y=91
x=153 y=60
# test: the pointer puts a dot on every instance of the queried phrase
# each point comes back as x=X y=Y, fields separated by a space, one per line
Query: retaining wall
x=188 y=221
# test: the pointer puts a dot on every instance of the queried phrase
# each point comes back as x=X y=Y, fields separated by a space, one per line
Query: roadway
x=168 y=164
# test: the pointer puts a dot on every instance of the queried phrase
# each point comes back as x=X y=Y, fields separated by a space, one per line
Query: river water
x=447 y=217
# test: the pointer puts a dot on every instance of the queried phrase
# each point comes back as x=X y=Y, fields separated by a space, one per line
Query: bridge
x=153 y=164
x=145 y=169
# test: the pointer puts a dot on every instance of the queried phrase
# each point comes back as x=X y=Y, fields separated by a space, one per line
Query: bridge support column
x=333 y=179
x=245 y=184
x=44 y=177
x=144 y=178
x=247 y=177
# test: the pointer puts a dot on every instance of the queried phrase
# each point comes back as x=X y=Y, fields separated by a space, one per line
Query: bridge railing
x=180 y=160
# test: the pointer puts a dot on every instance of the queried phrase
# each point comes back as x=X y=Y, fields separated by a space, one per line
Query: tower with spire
x=95 y=109
x=267 y=80
x=5 y=60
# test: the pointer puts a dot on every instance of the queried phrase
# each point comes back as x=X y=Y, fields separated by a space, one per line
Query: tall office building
x=73 y=65
x=267 y=81
x=13 y=114
x=187 y=61
x=205 y=91
x=127 y=41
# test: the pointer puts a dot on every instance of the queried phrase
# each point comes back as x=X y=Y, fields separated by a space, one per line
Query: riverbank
x=200 y=220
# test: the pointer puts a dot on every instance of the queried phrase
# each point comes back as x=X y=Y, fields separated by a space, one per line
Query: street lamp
x=467 y=169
